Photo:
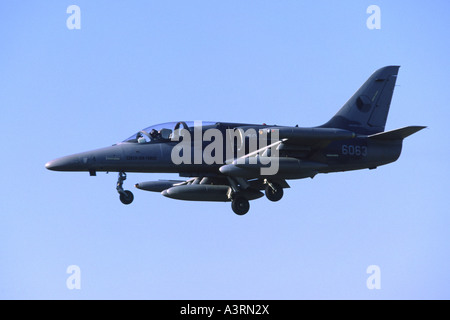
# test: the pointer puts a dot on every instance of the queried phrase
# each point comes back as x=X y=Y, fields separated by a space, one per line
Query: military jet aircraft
x=231 y=162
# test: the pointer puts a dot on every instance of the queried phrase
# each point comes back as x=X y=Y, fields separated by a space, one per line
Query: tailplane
x=398 y=134
x=367 y=110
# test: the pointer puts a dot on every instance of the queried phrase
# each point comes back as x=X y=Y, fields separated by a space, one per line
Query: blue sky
x=137 y=63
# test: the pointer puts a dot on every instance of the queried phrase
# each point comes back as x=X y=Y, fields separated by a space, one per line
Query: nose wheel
x=125 y=196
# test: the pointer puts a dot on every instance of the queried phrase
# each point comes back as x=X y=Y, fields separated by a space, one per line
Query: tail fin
x=367 y=110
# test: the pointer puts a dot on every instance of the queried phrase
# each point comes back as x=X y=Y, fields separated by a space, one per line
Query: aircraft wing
x=263 y=164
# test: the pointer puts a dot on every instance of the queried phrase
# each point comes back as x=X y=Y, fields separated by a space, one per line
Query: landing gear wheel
x=240 y=205
x=126 y=197
x=274 y=192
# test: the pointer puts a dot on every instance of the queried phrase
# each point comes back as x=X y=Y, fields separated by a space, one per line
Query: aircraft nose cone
x=49 y=165
x=63 y=164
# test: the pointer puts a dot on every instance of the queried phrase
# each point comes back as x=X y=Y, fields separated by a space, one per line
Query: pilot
x=154 y=134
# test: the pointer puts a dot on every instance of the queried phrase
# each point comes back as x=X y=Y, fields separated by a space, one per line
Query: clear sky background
x=137 y=63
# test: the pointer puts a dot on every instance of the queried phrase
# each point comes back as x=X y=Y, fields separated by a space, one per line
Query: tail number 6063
x=352 y=150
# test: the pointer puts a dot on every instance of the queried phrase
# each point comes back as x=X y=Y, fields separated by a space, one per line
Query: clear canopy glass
x=163 y=131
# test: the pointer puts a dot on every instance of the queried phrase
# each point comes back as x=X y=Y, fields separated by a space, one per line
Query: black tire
x=274 y=195
x=127 y=197
x=240 y=205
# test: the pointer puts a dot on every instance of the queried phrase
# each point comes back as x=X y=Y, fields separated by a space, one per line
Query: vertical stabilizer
x=367 y=110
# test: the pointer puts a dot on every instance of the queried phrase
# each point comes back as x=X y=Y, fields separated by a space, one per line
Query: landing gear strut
x=126 y=196
x=239 y=203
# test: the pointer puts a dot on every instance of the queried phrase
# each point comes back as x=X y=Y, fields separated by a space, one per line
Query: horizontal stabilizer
x=398 y=134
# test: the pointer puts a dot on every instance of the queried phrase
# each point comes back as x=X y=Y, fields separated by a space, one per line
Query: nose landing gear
x=126 y=196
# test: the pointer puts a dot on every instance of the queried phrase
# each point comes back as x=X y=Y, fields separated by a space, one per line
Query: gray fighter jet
x=235 y=162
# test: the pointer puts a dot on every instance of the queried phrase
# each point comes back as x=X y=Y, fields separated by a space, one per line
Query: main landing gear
x=274 y=192
x=239 y=198
x=240 y=205
x=126 y=196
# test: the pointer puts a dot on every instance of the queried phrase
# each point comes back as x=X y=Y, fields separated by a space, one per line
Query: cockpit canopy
x=164 y=131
